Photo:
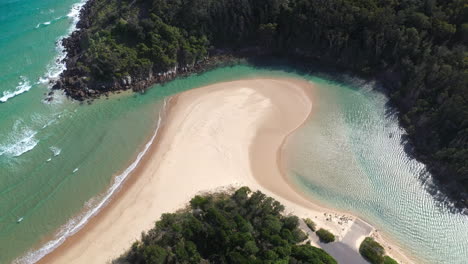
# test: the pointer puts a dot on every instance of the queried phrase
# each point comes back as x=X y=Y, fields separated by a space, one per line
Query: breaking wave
x=23 y=86
x=19 y=142
x=75 y=13
x=92 y=207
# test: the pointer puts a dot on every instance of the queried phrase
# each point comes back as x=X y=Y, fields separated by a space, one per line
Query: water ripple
x=350 y=156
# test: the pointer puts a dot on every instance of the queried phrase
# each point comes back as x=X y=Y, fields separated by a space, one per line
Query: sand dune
x=219 y=136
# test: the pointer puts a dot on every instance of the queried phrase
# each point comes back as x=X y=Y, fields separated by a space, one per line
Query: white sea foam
x=20 y=141
x=50 y=122
x=43 y=80
x=55 y=150
x=57 y=66
x=23 y=86
x=75 y=224
x=75 y=11
x=44 y=24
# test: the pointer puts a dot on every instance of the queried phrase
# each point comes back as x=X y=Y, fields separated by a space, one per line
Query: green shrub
x=325 y=236
x=389 y=260
x=309 y=254
x=372 y=251
x=310 y=224
x=198 y=202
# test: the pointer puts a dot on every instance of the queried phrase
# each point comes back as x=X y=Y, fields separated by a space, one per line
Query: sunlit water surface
x=350 y=156
x=60 y=161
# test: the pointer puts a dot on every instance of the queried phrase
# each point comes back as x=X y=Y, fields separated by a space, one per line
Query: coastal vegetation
x=389 y=260
x=374 y=252
x=310 y=224
x=325 y=236
x=416 y=48
x=242 y=227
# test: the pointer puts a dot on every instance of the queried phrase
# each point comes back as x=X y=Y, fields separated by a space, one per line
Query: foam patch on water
x=92 y=207
x=57 y=67
x=45 y=24
x=75 y=12
x=55 y=150
x=23 y=86
x=58 y=97
x=20 y=141
x=43 y=121
x=50 y=122
x=48 y=11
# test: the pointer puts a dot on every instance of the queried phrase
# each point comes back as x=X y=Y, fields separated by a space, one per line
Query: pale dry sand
x=216 y=137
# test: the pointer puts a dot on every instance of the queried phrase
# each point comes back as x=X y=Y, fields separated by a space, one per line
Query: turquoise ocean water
x=60 y=161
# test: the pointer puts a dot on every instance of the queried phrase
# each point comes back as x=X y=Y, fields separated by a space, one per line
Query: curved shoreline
x=298 y=197
x=88 y=216
x=263 y=145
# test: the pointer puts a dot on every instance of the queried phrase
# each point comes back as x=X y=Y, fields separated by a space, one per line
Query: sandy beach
x=213 y=138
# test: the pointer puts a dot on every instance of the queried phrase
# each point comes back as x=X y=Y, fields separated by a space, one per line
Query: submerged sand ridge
x=222 y=135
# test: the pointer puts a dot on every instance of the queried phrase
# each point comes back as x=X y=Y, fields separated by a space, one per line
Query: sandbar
x=213 y=138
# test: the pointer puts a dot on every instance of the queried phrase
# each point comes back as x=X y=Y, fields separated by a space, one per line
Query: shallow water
x=58 y=159
x=350 y=156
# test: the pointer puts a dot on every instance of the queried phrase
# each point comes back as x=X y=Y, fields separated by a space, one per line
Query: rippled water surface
x=349 y=156
x=59 y=159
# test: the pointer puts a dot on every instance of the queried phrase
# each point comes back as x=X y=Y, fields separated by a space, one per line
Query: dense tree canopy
x=417 y=47
x=244 y=227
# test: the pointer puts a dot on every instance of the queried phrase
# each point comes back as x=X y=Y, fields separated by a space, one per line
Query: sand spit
x=213 y=138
